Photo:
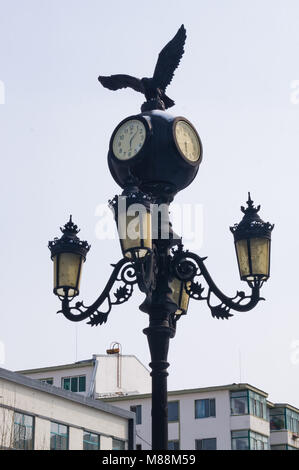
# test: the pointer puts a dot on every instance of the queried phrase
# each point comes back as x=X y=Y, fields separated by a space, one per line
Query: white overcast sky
x=234 y=84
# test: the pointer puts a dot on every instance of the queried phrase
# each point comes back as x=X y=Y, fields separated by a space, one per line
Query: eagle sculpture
x=153 y=88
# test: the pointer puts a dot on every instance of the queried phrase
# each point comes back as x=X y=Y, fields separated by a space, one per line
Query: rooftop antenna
x=240 y=366
x=76 y=343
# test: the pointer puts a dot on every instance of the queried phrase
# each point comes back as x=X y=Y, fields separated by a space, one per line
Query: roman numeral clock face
x=129 y=139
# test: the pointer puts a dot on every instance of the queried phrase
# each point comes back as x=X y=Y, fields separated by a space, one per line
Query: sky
x=238 y=84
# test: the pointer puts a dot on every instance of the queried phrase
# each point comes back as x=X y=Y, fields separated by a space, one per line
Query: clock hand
x=132 y=139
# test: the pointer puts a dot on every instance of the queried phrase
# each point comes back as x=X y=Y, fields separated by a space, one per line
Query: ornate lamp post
x=152 y=156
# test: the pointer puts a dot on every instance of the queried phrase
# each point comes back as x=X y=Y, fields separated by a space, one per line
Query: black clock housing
x=159 y=162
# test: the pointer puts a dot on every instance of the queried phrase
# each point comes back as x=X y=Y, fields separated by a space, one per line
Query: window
x=173 y=445
x=23 y=432
x=240 y=440
x=249 y=440
x=239 y=402
x=117 y=444
x=59 y=437
x=137 y=410
x=47 y=381
x=257 y=405
x=246 y=401
x=206 y=444
x=292 y=421
x=258 y=442
x=277 y=419
x=173 y=411
x=138 y=447
x=91 y=441
x=284 y=418
x=74 y=384
x=205 y=408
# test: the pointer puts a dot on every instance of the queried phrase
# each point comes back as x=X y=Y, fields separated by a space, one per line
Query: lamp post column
x=158 y=339
x=160 y=330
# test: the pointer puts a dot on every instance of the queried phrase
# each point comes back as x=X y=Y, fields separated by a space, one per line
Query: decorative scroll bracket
x=187 y=266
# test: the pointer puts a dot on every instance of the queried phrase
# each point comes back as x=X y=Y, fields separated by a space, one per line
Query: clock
x=128 y=139
x=156 y=150
x=187 y=141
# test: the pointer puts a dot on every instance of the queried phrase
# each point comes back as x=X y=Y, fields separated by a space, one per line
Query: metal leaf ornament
x=121 y=294
x=220 y=311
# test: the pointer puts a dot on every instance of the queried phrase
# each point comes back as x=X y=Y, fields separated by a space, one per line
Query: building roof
x=52 y=390
x=218 y=388
x=286 y=405
x=74 y=365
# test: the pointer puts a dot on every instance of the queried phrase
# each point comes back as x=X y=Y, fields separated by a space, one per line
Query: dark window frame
x=22 y=425
x=137 y=409
x=59 y=434
x=199 y=443
x=94 y=445
x=211 y=413
x=74 y=379
x=178 y=411
x=176 y=443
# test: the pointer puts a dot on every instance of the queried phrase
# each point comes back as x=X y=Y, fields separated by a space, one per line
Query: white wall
x=203 y=428
x=58 y=374
x=188 y=429
x=135 y=378
x=144 y=430
x=283 y=437
x=48 y=407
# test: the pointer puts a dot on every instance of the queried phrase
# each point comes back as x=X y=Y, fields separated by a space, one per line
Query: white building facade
x=100 y=376
x=232 y=417
x=36 y=415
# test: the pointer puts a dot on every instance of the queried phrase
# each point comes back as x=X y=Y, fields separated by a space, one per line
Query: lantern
x=132 y=212
x=68 y=254
x=253 y=241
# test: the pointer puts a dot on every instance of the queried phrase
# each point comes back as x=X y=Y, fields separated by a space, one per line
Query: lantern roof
x=251 y=226
x=69 y=242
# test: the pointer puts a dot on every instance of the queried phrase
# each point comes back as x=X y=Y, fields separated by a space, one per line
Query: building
x=284 y=427
x=39 y=416
x=230 y=417
x=100 y=376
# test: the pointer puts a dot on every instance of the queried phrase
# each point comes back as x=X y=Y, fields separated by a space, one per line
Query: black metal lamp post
x=152 y=156
x=153 y=255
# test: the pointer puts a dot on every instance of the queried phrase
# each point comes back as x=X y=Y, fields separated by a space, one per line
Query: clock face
x=187 y=141
x=129 y=139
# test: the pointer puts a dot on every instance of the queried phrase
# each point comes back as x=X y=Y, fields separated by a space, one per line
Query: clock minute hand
x=132 y=138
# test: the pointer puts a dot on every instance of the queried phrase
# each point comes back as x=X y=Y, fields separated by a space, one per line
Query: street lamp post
x=152 y=156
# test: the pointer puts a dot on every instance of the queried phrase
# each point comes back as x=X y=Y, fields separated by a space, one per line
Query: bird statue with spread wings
x=153 y=88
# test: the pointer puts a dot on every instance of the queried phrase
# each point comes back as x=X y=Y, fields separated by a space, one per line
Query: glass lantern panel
x=146 y=229
x=185 y=297
x=176 y=289
x=179 y=295
x=68 y=270
x=135 y=233
x=259 y=249
x=242 y=254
